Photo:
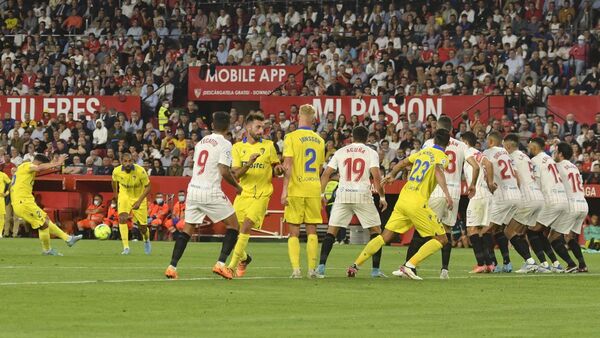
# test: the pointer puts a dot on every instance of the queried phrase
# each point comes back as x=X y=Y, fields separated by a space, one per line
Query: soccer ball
x=102 y=231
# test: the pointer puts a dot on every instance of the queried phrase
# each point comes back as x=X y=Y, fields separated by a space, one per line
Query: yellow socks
x=239 y=251
x=124 y=230
x=44 y=238
x=145 y=235
x=56 y=231
x=312 y=250
x=429 y=248
x=294 y=252
x=370 y=249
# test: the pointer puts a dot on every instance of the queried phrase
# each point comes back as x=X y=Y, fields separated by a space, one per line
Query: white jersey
x=354 y=163
x=205 y=185
x=456 y=152
x=573 y=183
x=547 y=175
x=530 y=189
x=481 y=188
x=504 y=175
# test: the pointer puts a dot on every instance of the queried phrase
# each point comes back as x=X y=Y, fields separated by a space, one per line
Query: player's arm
x=229 y=177
x=473 y=185
x=288 y=163
x=376 y=174
x=489 y=174
x=395 y=170
x=48 y=166
x=441 y=180
x=143 y=196
x=241 y=171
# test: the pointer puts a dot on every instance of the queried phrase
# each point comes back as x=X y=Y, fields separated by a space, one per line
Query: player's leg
x=368 y=216
x=548 y=216
x=294 y=216
x=239 y=250
x=312 y=218
x=124 y=231
x=502 y=243
x=514 y=231
x=374 y=246
x=2 y=219
x=534 y=235
x=558 y=230
x=573 y=243
x=181 y=241
x=250 y=214
x=140 y=216
x=474 y=233
x=448 y=218
x=376 y=259
x=339 y=217
x=232 y=227
x=488 y=247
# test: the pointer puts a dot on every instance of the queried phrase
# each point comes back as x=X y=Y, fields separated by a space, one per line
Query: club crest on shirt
x=262 y=151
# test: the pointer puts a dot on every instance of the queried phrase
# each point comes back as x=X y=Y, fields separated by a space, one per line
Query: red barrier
x=583 y=107
x=78 y=105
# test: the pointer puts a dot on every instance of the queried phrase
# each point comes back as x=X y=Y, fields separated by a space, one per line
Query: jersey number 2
x=312 y=157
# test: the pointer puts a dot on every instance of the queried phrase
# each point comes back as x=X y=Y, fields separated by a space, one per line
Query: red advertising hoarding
x=239 y=83
x=18 y=106
x=452 y=106
x=583 y=107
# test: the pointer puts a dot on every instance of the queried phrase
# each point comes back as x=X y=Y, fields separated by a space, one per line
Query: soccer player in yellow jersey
x=253 y=161
x=303 y=157
x=4 y=190
x=131 y=185
x=24 y=205
x=412 y=207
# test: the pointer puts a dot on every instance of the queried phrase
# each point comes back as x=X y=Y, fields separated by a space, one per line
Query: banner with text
x=423 y=106
x=239 y=83
x=18 y=106
x=583 y=107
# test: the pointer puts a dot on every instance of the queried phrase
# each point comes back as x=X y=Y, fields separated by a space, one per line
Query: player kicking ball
x=212 y=164
x=131 y=186
x=254 y=160
x=24 y=205
x=354 y=162
x=412 y=206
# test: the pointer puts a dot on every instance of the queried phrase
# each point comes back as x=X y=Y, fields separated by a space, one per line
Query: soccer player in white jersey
x=532 y=201
x=353 y=197
x=556 y=204
x=506 y=197
x=212 y=163
x=456 y=152
x=570 y=223
x=479 y=204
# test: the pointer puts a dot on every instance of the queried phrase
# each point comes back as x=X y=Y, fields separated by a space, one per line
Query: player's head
x=306 y=115
x=441 y=137
x=564 y=151
x=40 y=158
x=469 y=138
x=511 y=142
x=444 y=122
x=360 y=134
x=181 y=196
x=98 y=199
x=220 y=121
x=127 y=162
x=536 y=145
x=255 y=125
x=160 y=198
x=494 y=139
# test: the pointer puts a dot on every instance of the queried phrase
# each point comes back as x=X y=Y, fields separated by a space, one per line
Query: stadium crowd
x=524 y=50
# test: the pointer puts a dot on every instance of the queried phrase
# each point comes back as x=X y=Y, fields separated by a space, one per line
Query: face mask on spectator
x=113 y=205
x=97 y=202
x=181 y=198
x=159 y=201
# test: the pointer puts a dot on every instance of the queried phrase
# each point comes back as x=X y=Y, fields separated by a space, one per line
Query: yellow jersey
x=307 y=149
x=422 y=181
x=257 y=182
x=131 y=184
x=22 y=183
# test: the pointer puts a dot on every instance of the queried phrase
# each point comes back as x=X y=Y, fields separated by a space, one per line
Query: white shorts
x=569 y=221
x=551 y=212
x=528 y=212
x=341 y=214
x=501 y=212
x=217 y=211
x=478 y=212
x=440 y=208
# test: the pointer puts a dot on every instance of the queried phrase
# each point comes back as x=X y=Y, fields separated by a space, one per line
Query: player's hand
x=61 y=159
x=253 y=158
x=324 y=201
x=136 y=205
x=471 y=192
x=284 y=200
x=383 y=204
x=492 y=187
x=238 y=189
x=450 y=202
x=279 y=170
x=387 y=180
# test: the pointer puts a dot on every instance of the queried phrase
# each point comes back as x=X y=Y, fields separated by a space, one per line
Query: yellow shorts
x=30 y=212
x=125 y=205
x=407 y=215
x=303 y=210
x=252 y=208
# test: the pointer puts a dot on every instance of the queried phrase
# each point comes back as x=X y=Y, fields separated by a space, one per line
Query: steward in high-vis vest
x=163 y=116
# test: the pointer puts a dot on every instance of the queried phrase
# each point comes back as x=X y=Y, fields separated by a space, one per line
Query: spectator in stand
x=175 y=169
x=157 y=212
x=176 y=220
x=94 y=216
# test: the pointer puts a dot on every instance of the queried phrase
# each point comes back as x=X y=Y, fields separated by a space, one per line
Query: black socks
x=502 y=242
x=477 y=244
x=228 y=244
x=559 y=246
x=180 y=244
x=576 y=249
x=520 y=245
x=326 y=247
x=446 y=250
x=377 y=256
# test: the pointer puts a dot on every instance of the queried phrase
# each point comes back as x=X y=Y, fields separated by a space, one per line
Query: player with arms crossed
x=254 y=160
x=354 y=162
x=304 y=154
x=479 y=204
x=212 y=163
x=412 y=207
x=24 y=206
x=556 y=204
x=570 y=223
x=131 y=186
x=456 y=152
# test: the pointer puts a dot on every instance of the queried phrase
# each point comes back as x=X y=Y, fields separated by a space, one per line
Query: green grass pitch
x=94 y=292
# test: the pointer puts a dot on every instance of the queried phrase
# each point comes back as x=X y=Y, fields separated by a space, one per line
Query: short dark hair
x=441 y=137
x=221 y=121
x=469 y=137
x=512 y=138
x=565 y=149
x=256 y=116
x=496 y=136
x=360 y=134
x=444 y=122
x=539 y=141
x=41 y=158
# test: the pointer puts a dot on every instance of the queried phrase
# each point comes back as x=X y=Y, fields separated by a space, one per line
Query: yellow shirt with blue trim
x=257 y=182
x=307 y=149
x=422 y=181
x=22 y=182
x=4 y=182
x=131 y=184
